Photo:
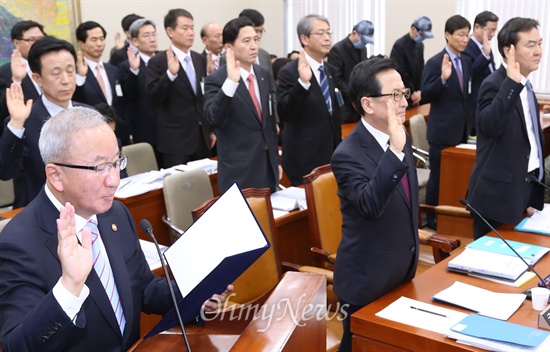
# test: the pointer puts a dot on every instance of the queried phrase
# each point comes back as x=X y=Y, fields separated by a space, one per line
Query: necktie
x=100 y=80
x=459 y=73
x=406 y=186
x=103 y=270
x=190 y=71
x=252 y=91
x=324 y=88
x=534 y=119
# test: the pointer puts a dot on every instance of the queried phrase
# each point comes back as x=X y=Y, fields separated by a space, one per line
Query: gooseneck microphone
x=468 y=206
x=533 y=178
x=148 y=229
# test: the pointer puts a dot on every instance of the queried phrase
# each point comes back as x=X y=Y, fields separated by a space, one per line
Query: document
x=488 y=263
x=488 y=303
x=289 y=199
x=530 y=252
x=150 y=251
x=539 y=222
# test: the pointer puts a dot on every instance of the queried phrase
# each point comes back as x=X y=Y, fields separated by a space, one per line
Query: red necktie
x=406 y=186
x=252 y=92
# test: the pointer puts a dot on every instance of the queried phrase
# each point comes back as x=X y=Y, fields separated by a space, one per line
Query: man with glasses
x=446 y=85
x=378 y=191
x=408 y=53
x=53 y=63
x=343 y=57
x=78 y=283
x=307 y=102
x=479 y=51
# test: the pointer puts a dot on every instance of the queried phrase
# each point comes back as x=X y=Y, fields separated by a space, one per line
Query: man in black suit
x=53 y=63
x=237 y=106
x=446 y=86
x=378 y=192
x=311 y=115
x=408 y=52
x=509 y=140
x=479 y=51
x=78 y=283
x=212 y=38
x=118 y=55
x=174 y=81
x=343 y=57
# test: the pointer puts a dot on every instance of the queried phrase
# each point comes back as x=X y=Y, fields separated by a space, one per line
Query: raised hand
x=210 y=67
x=76 y=260
x=446 y=68
x=172 y=61
x=19 y=111
x=233 y=66
x=512 y=67
x=133 y=58
x=119 y=41
x=486 y=43
x=81 y=64
x=304 y=71
x=396 y=131
x=416 y=97
x=18 y=68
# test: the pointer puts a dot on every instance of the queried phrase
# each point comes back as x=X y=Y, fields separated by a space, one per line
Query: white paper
x=151 y=254
x=467 y=146
x=539 y=221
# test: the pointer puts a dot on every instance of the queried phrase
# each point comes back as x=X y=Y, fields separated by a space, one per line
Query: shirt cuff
x=17 y=132
x=171 y=76
x=135 y=72
x=80 y=80
x=305 y=85
x=69 y=303
x=229 y=87
x=400 y=155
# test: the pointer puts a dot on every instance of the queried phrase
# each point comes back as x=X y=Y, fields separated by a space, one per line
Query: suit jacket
x=29 y=90
x=409 y=56
x=451 y=114
x=343 y=57
x=16 y=152
x=31 y=318
x=480 y=69
x=119 y=55
x=142 y=114
x=498 y=186
x=180 y=111
x=379 y=247
x=243 y=140
x=310 y=133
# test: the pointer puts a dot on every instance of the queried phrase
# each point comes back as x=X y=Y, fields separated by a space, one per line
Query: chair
x=141 y=158
x=6 y=193
x=418 y=127
x=262 y=276
x=184 y=192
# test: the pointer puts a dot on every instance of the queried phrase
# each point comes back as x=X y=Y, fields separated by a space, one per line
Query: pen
x=427 y=311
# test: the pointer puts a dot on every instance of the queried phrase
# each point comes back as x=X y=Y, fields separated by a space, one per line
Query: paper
x=151 y=255
x=522 y=280
x=498 y=346
x=289 y=199
x=401 y=312
x=488 y=303
x=466 y=146
x=487 y=263
x=530 y=252
x=539 y=222
x=208 y=165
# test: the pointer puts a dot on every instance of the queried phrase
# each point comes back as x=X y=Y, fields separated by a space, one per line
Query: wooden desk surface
x=378 y=334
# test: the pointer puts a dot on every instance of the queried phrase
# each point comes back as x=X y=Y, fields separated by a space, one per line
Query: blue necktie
x=534 y=119
x=190 y=71
x=324 y=88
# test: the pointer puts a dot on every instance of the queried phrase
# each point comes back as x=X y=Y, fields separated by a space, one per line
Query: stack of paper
x=208 y=165
x=488 y=263
x=151 y=254
x=530 y=252
x=539 y=222
x=289 y=199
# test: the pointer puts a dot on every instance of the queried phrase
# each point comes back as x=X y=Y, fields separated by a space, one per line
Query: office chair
x=184 y=192
x=418 y=128
x=141 y=158
x=6 y=193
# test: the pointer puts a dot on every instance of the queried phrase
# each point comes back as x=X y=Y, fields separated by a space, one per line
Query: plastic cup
x=539 y=297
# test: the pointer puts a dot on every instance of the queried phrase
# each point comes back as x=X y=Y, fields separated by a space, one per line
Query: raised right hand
x=233 y=66
x=81 y=64
x=19 y=111
x=512 y=67
x=446 y=68
x=133 y=58
x=304 y=70
x=172 y=61
x=18 y=68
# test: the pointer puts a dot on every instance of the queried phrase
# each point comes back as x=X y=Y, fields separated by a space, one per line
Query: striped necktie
x=324 y=88
x=105 y=274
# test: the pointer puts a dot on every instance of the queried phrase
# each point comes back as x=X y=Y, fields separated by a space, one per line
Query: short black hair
x=363 y=81
x=255 y=16
x=232 y=28
x=486 y=16
x=508 y=35
x=109 y=113
x=278 y=65
x=171 y=18
x=455 y=23
x=46 y=45
x=83 y=28
x=128 y=20
x=292 y=52
x=20 y=27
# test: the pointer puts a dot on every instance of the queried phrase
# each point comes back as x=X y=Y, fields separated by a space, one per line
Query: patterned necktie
x=459 y=73
x=252 y=91
x=190 y=71
x=105 y=274
x=406 y=186
x=100 y=81
x=324 y=88
x=533 y=113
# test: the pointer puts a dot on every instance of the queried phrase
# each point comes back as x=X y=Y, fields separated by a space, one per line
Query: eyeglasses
x=102 y=169
x=322 y=33
x=490 y=31
x=149 y=35
x=260 y=31
x=31 y=39
x=397 y=95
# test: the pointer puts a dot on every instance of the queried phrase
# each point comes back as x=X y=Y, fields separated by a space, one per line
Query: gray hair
x=137 y=24
x=55 y=137
x=306 y=24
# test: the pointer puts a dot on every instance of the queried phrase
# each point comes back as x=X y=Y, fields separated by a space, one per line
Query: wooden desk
x=456 y=166
x=372 y=333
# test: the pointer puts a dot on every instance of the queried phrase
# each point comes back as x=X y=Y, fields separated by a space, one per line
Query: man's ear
x=135 y=41
x=304 y=39
x=37 y=78
x=54 y=177
x=366 y=105
x=170 y=32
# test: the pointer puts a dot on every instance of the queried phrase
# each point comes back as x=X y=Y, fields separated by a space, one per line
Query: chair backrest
x=6 y=193
x=141 y=158
x=323 y=207
x=264 y=274
x=183 y=192
x=3 y=223
x=419 y=131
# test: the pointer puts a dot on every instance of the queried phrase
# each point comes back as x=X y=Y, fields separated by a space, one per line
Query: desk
x=374 y=333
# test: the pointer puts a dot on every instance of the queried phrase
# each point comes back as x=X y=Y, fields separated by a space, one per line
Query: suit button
x=395 y=176
x=413 y=249
x=527 y=179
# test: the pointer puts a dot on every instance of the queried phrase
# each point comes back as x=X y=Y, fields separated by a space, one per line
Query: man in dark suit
x=311 y=115
x=408 y=52
x=19 y=143
x=120 y=54
x=343 y=57
x=174 y=81
x=479 y=51
x=78 y=283
x=509 y=140
x=237 y=106
x=446 y=86
x=378 y=191
x=212 y=38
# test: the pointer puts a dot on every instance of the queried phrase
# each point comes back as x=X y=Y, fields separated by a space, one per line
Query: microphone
x=148 y=229
x=532 y=178
x=469 y=206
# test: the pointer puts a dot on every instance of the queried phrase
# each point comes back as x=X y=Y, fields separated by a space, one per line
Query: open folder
x=213 y=253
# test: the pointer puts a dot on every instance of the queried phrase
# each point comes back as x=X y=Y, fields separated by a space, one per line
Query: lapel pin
x=113 y=226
